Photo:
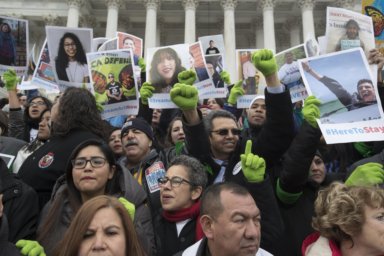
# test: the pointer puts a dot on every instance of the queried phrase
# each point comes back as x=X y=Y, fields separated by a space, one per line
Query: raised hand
x=252 y=165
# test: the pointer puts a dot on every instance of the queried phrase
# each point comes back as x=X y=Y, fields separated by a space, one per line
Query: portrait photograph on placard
x=14 y=43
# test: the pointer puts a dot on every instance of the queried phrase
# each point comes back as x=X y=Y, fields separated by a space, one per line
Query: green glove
x=129 y=206
x=184 y=96
x=10 y=79
x=30 y=248
x=311 y=110
x=236 y=91
x=142 y=64
x=252 y=165
x=224 y=75
x=368 y=174
x=146 y=92
x=187 y=77
x=264 y=61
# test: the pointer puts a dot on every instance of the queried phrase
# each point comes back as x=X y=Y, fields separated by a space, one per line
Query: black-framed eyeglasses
x=225 y=132
x=175 y=181
x=39 y=103
x=81 y=162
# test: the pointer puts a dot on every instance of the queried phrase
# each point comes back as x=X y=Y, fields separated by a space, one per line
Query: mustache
x=131 y=143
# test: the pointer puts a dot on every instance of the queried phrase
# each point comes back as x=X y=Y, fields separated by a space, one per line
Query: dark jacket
x=44 y=166
x=125 y=186
x=167 y=240
x=293 y=179
x=6 y=248
x=20 y=206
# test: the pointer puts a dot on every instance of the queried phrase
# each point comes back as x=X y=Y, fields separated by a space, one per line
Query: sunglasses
x=225 y=132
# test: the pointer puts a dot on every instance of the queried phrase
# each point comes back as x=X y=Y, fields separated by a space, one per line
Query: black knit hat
x=139 y=124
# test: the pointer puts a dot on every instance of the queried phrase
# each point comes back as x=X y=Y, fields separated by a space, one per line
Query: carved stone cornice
x=306 y=4
x=228 y=4
x=190 y=4
x=151 y=4
x=267 y=4
x=75 y=3
x=114 y=3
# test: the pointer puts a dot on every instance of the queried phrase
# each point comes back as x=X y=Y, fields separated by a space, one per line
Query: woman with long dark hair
x=71 y=61
x=165 y=67
x=75 y=118
x=91 y=171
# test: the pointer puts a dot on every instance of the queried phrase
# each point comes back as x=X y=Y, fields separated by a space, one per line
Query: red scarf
x=192 y=212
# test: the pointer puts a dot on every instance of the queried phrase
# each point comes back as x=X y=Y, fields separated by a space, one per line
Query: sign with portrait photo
x=114 y=83
x=67 y=50
x=350 y=107
x=253 y=80
x=14 y=42
x=163 y=66
x=289 y=73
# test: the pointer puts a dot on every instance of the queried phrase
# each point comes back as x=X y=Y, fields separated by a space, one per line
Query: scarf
x=192 y=212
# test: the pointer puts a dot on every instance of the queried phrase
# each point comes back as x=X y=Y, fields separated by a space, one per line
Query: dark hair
x=33 y=145
x=157 y=57
x=218 y=101
x=195 y=170
x=5 y=24
x=211 y=199
x=208 y=120
x=168 y=137
x=127 y=69
x=74 y=236
x=62 y=59
x=72 y=193
x=128 y=38
x=33 y=122
x=77 y=110
x=353 y=23
x=3 y=123
x=362 y=81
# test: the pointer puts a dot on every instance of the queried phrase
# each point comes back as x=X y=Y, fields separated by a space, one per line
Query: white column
x=74 y=12
x=268 y=24
x=150 y=24
x=307 y=18
x=229 y=36
x=259 y=33
x=113 y=17
x=190 y=21
x=293 y=26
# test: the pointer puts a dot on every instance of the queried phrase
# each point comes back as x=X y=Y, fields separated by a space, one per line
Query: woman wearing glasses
x=178 y=226
x=71 y=61
x=91 y=171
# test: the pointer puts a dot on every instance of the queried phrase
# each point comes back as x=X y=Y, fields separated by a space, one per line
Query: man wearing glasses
x=218 y=144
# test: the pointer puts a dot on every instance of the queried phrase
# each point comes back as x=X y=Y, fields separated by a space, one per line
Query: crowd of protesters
x=203 y=179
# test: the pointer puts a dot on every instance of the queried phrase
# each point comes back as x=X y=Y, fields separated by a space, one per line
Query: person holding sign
x=165 y=67
x=114 y=90
x=351 y=37
x=71 y=62
x=7 y=46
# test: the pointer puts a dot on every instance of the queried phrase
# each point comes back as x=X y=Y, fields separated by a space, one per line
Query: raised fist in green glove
x=224 y=75
x=236 y=91
x=264 y=61
x=30 y=248
x=142 y=64
x=252 y=165
x=129 y=206
x=146 y=92
x=311 y=110
x=10 y=79
x=368 y=174
x=187 y=77
x=184 y=96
